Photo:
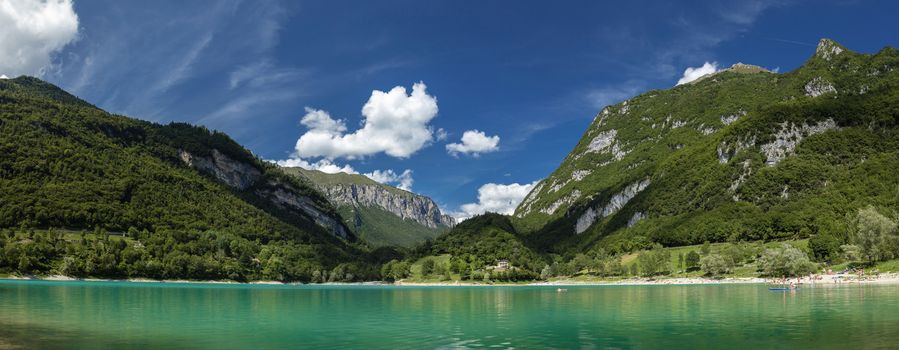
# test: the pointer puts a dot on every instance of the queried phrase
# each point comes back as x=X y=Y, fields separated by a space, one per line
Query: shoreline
x=837 y=279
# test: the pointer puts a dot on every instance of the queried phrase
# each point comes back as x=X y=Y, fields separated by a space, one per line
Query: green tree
x=692 y=260
x=706 y=248
x=785 y=260
x=716 y=264
x=851 y=252
x=427 y=267
x=871 y=233
x=400 y=270
x=824 y=247
x=655 y=261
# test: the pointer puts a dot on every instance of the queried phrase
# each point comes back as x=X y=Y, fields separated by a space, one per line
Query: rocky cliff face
x=406 y=205
x=742 y=139
x=242 y=176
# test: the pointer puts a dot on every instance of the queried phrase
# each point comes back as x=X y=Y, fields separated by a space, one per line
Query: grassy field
x=438 y=260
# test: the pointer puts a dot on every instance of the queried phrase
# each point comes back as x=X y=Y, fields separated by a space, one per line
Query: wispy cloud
x=182 y=69
x=794 y=42
x=143 y=72
x=599 y=98
x=690 y=35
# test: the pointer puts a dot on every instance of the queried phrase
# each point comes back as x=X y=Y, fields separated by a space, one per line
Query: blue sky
x=529 y=76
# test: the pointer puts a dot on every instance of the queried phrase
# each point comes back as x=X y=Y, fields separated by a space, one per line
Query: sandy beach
x=834 y=279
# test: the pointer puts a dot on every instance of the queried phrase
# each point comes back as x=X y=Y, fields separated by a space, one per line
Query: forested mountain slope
x=381 y=215
x=193 y=203
x=743 y=154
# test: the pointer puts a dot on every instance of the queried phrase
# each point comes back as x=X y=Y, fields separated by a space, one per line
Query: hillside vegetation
x=739 y=155
x=742 y=155
x=68 y=165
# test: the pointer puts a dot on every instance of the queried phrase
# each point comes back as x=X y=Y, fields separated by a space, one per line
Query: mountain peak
x=741 y=67
x=35 y=87
x=828 y=49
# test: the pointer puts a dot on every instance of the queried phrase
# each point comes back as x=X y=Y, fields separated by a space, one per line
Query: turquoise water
x=117 y=315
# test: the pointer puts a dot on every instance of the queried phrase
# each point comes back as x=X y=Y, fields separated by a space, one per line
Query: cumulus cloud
x=474 y=142
x=495 y=198
x=395 y=123
x=693 y=73
x=32 y=32
x=402 y=181
x=323 y=165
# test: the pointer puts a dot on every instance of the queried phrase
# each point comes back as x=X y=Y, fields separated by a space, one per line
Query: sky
x=468 y=102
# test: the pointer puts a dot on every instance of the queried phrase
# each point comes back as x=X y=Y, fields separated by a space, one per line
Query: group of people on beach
x=784 y=281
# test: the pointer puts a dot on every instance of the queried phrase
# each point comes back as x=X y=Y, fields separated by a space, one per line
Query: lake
x=116 y=315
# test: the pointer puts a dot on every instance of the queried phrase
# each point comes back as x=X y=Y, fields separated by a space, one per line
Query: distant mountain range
x=379 y=214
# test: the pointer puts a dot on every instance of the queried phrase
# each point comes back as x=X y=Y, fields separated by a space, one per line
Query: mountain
x=741 y=154
x=191 y=203
x=379 y=214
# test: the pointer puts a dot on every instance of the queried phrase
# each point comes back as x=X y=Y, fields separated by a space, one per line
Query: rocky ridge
x=241 y=176
x=719 y=141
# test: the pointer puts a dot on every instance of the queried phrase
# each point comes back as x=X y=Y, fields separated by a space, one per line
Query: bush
x=785 y=260
x=716 y=264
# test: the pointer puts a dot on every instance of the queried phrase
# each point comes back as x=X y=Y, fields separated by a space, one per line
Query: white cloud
x=394 y=123
x=474 y=142
x=495 y=198
x=402 y=181
x=441 y=134
x=3 y=76
x=693 y=73
x=323 y=165
x=32 y=31
x=321 y=121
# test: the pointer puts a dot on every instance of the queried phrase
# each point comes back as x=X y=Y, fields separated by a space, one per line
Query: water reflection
x=153 y=315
